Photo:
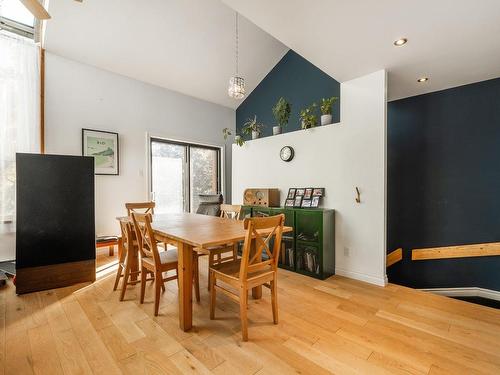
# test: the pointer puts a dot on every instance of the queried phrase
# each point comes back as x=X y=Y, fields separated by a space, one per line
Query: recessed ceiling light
x=423 y=79
x=400 y=42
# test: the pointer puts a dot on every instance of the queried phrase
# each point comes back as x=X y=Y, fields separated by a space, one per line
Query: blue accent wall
x=298 y=81
x=444 y=183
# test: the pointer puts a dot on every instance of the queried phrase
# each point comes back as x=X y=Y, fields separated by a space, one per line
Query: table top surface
x=200 y=230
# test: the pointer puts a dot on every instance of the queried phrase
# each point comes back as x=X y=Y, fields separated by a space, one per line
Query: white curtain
x=19 y=124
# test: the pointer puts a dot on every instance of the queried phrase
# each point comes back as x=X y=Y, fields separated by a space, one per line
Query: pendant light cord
x=237 y=29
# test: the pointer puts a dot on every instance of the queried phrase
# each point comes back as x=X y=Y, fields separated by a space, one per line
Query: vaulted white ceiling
x=453 y=42
x=183 y=45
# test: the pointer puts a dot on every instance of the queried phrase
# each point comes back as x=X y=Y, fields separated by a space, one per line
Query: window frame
x=18 y=28
x=187 y=144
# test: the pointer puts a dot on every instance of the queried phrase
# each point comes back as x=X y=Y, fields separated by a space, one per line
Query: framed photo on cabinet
x=315 y=202
x=298 y=201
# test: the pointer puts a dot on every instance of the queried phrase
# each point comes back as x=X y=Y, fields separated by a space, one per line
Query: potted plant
x=326 y=110
x=281 y=112
x=252 y=126
x=237 y=138
x=308 y=117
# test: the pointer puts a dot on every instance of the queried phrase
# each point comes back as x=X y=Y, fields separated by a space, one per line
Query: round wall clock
x=287 y=153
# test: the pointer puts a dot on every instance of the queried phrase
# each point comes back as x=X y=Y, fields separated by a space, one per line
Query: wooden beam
x=394 y=257
x=42 y=100
x=460 y=251
x=36 y=9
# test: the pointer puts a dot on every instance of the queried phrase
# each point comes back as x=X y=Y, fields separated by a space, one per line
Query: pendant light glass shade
x=236 y=88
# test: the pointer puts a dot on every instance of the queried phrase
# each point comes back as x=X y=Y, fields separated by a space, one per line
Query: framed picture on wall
x=306 y=203
x=291 y=193
x=104 y=147
x=289 y=202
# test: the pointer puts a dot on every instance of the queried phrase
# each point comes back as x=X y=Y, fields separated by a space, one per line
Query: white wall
x=339 y=158
x=80 y=96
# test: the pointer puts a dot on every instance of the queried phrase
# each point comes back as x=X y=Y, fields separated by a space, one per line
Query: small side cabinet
x=310 y=248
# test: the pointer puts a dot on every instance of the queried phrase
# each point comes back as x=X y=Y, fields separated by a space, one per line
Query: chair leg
x=196 y=278
x=235 y=251
x=125 y=282
x=111 y=250
x=243 y=314
x=212 y=295
x=158 y=284
x=162 y=283
x=274 y=300
x=144 y=274
x=210 y=264
x=118 y=275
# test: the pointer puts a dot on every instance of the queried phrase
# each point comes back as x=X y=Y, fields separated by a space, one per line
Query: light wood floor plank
x=337 y=325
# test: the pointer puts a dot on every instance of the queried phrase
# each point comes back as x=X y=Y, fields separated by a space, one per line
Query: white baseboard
x=362 y=277
x=465 y=292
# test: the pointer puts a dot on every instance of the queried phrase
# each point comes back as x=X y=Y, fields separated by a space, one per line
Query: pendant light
x=236 y=88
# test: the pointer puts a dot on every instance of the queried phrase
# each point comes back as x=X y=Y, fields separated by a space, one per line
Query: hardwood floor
x=337 y=326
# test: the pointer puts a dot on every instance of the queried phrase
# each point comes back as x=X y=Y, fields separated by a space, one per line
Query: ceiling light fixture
x=423 y=79
x=236 y=88
x=400 y=42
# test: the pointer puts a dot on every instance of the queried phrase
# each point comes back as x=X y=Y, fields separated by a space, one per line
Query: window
x=19 y=124
x=14 y=17
x=180 y=172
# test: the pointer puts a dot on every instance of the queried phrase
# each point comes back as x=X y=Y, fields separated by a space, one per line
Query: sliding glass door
x=182 y=171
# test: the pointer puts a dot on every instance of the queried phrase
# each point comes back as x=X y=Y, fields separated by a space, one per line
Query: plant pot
x=326 y=119
x=255 y=134
x=304 y=126
x=237 y=139
x=276 y=130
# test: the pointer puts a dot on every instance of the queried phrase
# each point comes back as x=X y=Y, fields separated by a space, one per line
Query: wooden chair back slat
x=127 y=236
x=253 y=225
x=140 y=207
x=145 y=236
x=230 y=211
x=260 y=266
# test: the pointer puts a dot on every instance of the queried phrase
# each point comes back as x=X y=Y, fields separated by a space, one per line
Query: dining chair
x=252 y=269
x=215 y=254
x=140 y=207
x=156 y=262
x=129 y=250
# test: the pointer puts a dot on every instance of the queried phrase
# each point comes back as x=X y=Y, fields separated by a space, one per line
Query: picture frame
x=291 y=193
x=104 y=147
x=318 y=192
x=300 y=191
x=308 y=193
x=289 y=202
x=306 y=203
x=297 y=201
x=315 y=202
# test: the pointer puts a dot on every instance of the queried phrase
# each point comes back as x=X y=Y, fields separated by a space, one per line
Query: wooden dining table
x=190 y=231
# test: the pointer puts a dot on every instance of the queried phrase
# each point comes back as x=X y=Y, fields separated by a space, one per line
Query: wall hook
x=358 y=195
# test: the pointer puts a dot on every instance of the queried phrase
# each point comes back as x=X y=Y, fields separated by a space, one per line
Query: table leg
x=185 y=274
x=257 y=291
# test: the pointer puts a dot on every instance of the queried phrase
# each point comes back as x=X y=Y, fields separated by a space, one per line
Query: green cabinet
x=310 y=248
